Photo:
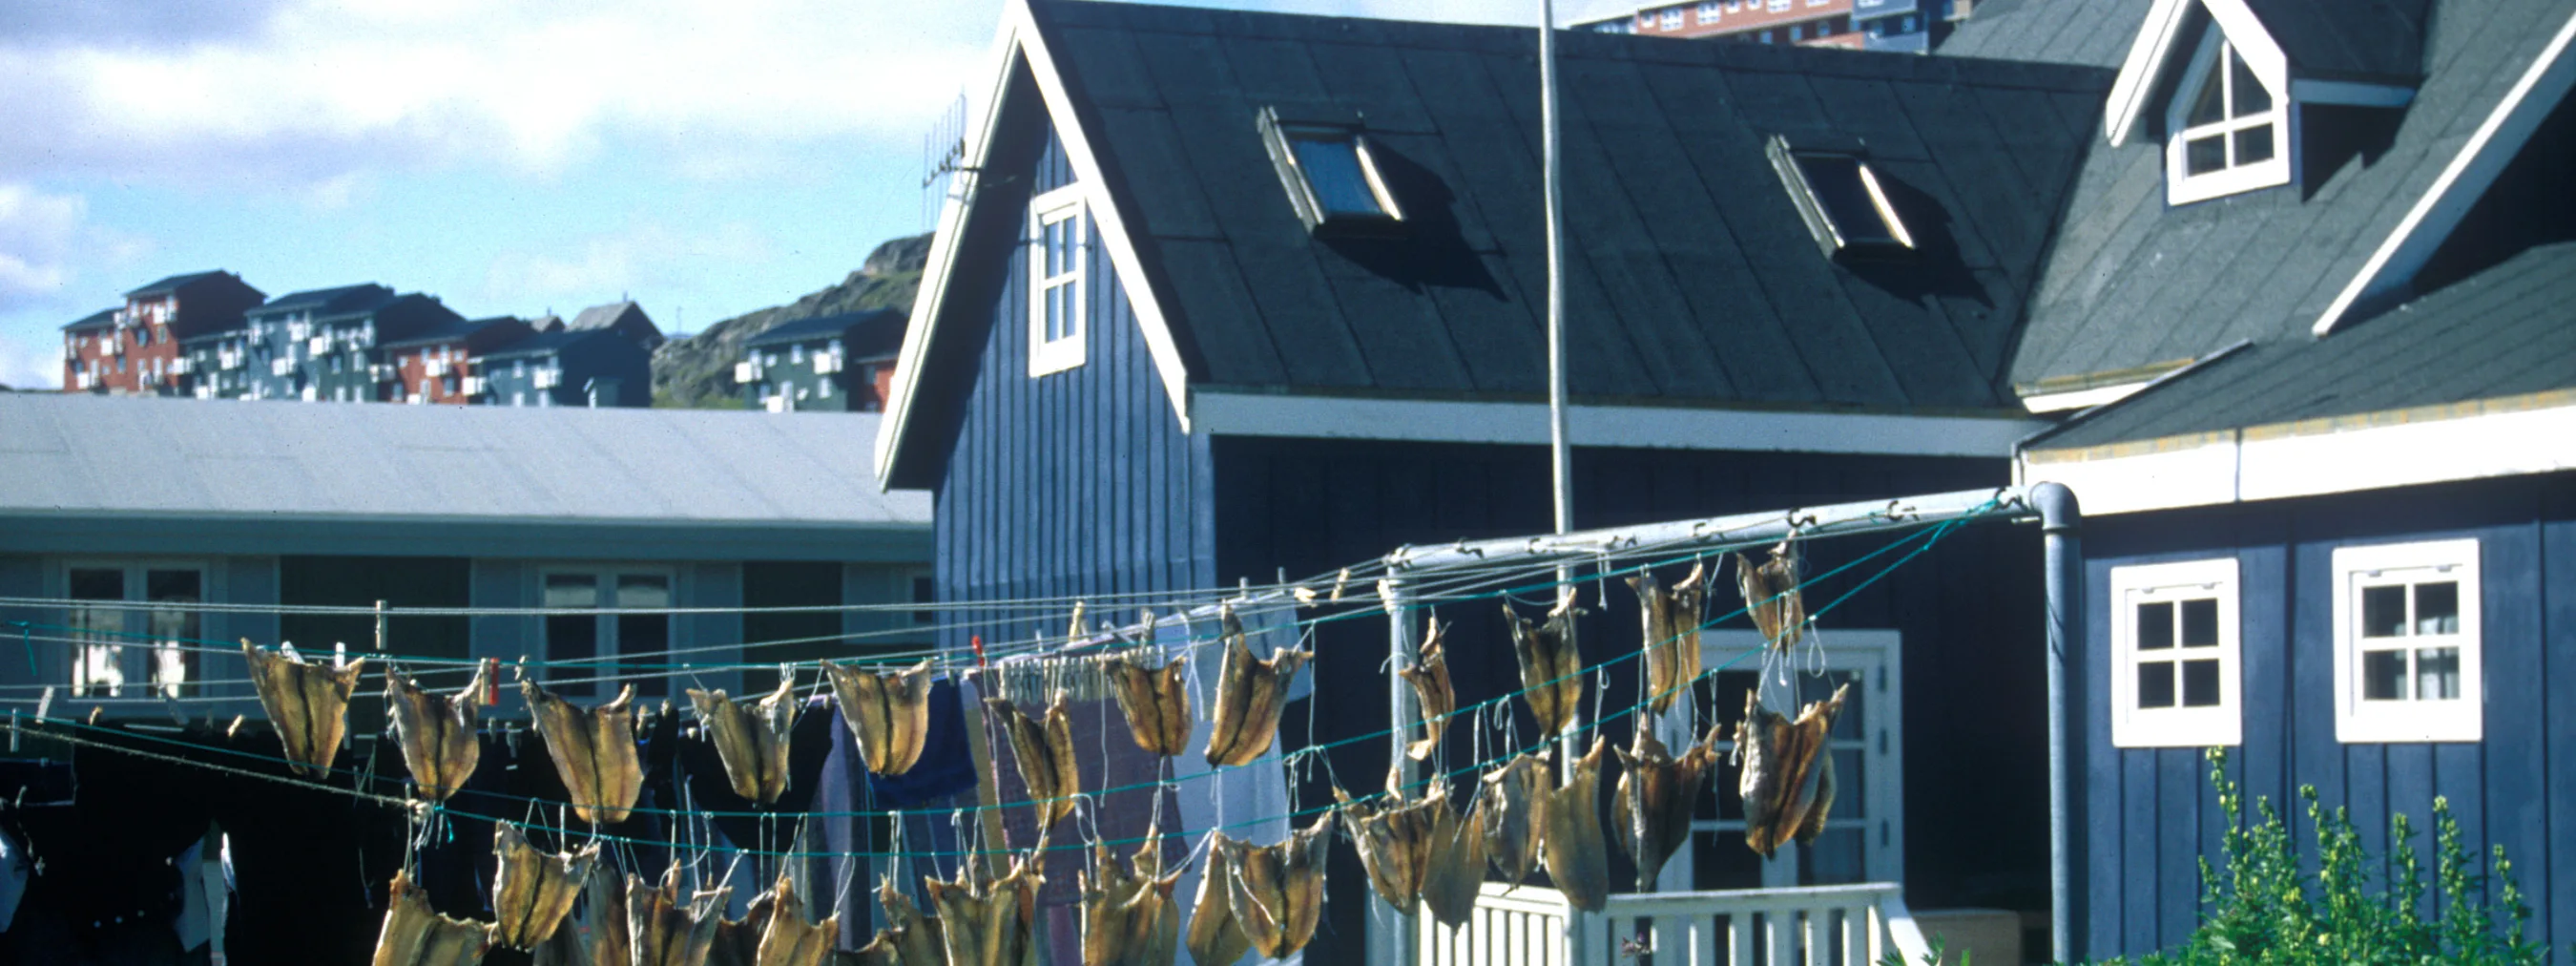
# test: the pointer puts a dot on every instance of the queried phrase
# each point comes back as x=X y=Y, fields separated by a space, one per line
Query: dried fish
x=664 y=930
x=1672 y=634
x=1249 y=695
x=1429 y=677
x=1044 y=750
x=1787 y=783
x=594 y=751
x=1277 y=891
x=1394 y=840
x=1652 y=804
x=1771 y=595
x=308 y=704
x=1457 y=866
x=1215 y=938
x=738 y=940
x=416 y=935
x=1577 y=859
x=887 y=714
x=1511 y=806
x=1156 y=702
x=595 y=933
x=908 y=939
x=532 y=890
x=988 y=922
x=751 y=742
x=1551 y=665
x=786 y=939
x=436 y=732
x=1127 y=914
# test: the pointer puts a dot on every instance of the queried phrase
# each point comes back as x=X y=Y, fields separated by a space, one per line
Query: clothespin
x=13 y=731
x=45 y=704
x=1074 y=631
x=975 y=641
x=339 y=655
x=1340 y=581
x=491 y=681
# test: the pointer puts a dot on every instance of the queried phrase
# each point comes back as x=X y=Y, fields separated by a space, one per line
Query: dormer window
x=1841 y=199
x=2225 y=130
x=1331 y=176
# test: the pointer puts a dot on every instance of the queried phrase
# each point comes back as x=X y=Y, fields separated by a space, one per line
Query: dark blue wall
x=2151 y=814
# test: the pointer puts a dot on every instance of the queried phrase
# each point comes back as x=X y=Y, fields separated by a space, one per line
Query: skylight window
x=1331 y=177
x=1841 y=199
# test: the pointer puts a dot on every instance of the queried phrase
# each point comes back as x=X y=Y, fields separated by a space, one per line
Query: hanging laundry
x=1787 y=784
x=1215 y=938
x=308 y=704
x=436 y=732
x=1772 y=597
x=1576 y=857
x=985 y=921
x=1429 y=677
x=1456 y=870
x=416 y=935
x=1511 y=806
x=1277 y=891
x=593 y=749
x=887 y=713
x=1394 y=839
x=1651 y=807
x=532 y=890
x=663 y=929
x=1551 y=665
x=1044 y=750
x=1127 y=914
x=1672 y=619
x=1250 y=693
x=1156 y=701
x=753 y=742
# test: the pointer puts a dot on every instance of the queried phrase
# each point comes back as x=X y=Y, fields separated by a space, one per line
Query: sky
x=702 y=158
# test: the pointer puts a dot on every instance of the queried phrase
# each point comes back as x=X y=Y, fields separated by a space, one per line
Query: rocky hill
x=697 y=372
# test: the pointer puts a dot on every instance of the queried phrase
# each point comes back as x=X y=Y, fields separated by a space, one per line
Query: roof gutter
x=2152 y=384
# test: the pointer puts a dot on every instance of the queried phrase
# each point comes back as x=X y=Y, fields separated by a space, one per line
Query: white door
x=1865 y=839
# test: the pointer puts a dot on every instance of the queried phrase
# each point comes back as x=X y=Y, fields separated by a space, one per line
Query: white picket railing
x=1845 y=925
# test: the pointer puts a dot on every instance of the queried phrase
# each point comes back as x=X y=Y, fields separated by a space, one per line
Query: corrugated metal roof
x=80 y=455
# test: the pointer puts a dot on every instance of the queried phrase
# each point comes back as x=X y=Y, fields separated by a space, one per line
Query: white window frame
x=1879 y=655
x=2220 y=725
x=1709 y=12
x=1671 y=18
x=1048 y=356
x=604 y=653
x=2359 y=721
x=2182 y=187
x=139 y=656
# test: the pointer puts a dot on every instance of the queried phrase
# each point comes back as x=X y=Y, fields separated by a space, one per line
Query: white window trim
x=139 y=652
x=2460 y=719
x=2184 y=188
x=604 y=641
x=1057 y=355
x=2220 y=725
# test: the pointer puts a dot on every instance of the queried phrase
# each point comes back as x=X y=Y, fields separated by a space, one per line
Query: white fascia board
x=2271 y=463
x=1647 y=427
x=2058 y=402
x=2158 y=42
x=2465 y=180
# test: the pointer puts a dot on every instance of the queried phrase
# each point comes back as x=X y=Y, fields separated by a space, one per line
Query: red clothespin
x=491 y=681
x=977 y=642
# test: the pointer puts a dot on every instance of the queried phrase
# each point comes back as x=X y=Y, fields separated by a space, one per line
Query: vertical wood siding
x=2150 y=814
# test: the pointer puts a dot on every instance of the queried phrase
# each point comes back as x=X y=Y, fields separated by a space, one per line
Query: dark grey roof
x=2133 y=281
x=2503 y=332
x=863 y=334
x=2093 y=33
x=600 y=316
x=545 y=343
x=98 y=319
x=2366 y=40
x=175 y=283
x=328 y=301
x=1691 y=277
x=448 y=330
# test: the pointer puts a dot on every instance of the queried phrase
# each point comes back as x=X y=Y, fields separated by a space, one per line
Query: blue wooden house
x=2318 y=268
x=1224 y=294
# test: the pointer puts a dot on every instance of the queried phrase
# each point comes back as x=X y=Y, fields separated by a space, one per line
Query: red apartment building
x=134 y=350
x=1816 y=23
x=431 y=368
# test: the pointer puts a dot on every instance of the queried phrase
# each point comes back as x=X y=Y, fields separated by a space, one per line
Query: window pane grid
x=2175 y=646
x=2393 y=612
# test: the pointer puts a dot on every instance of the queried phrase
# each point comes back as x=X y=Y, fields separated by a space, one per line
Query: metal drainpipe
x=1393 y=943
x=2061 y=523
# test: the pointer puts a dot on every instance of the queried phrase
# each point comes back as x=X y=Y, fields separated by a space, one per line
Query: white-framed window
x=1056 y=286
x=1867 y=742
x=2406 y=643
x=2176 y=671
x=1708 y=12
x=1779 y=6
x=1672 y=18
x=612 y=635
x=110 y=639
x=2227 y=129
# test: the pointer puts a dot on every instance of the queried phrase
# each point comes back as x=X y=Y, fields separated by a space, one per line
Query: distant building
x=434 y=365
x=1899 y=25
x=135 y=349
x=215 y=365
x=624 y=318
x=564 y=367
x=318 y=345
x=836 y=363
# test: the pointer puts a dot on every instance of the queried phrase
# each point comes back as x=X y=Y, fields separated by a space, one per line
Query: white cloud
x=601 y=268
x=38 y=234
x=29 y=365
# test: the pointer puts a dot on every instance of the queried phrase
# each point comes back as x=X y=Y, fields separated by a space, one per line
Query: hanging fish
x=594 y=751
x=1429 y=677
x=1277 y=891
x=664 y=930
x=1215 y=938
x=1394 y=840
x=887 y=714
x=1576 y=857
x=1044 y=750
x=594 y=934
x=1551 y=666
x=1127 y=914
x=1786 y=784
x=738 y=940
x=1672 y=634
x=1771 y=595
x=1651 y=807
x=308 y=704
x=532 y=890
x=985 y=921
x=436 y=733
x=416 y=935
x=751 y=742
x=908 y=939
x=1156 y=701
x=786 y=939
x=1511 y=805
x=1456 y=870
x=1250 y=693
